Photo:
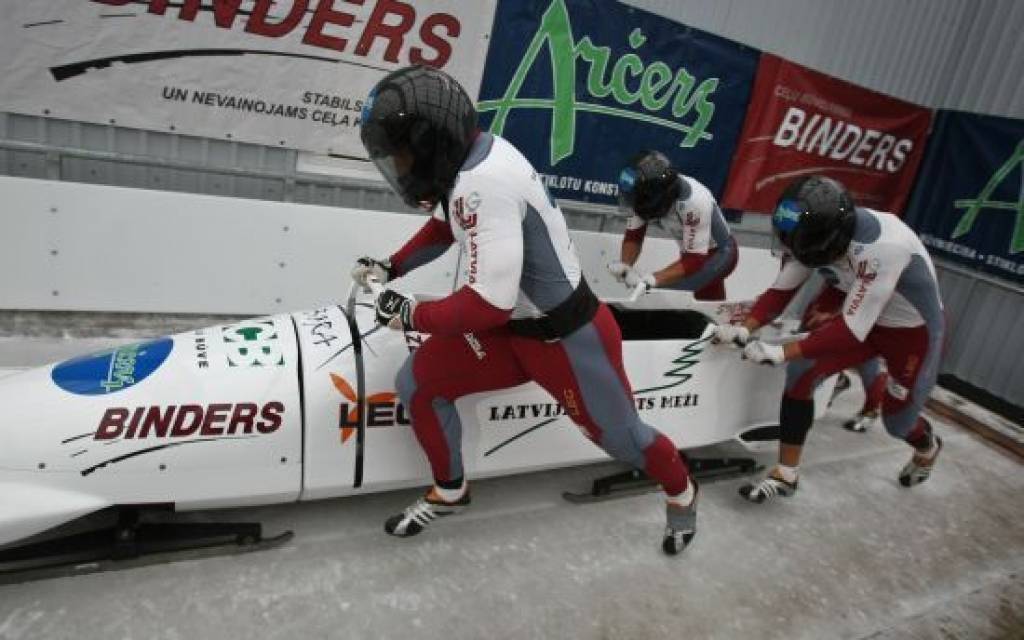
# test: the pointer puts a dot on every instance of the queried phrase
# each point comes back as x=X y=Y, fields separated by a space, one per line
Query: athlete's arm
x=633 y=240
x=427 y=244
x=772 y=302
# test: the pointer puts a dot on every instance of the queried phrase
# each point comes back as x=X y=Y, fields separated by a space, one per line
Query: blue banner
x=580 y=86
x=968 y=205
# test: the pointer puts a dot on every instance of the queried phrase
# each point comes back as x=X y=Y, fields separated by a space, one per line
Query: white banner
x=289 y=73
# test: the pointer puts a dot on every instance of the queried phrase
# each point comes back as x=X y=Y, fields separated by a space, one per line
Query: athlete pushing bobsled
x=524 y=311
x=891 y=308
x=651 y=190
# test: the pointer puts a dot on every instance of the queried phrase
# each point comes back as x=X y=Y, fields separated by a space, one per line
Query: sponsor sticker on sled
x=113 y=370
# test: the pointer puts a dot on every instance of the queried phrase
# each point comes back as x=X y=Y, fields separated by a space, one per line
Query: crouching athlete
x=524 y=311
x=651 y=190
x=891 y=308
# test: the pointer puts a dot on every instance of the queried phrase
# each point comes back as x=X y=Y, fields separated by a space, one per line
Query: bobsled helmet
x=417 y=125
x=648 y=185
x=814 y=220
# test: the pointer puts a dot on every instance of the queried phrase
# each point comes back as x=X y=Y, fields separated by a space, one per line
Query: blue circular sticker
x=112 y=371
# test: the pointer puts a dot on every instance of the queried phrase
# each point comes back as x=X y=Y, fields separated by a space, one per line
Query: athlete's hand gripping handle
x=394 y=310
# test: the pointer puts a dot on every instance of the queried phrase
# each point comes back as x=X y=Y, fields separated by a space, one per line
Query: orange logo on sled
x=383 y=409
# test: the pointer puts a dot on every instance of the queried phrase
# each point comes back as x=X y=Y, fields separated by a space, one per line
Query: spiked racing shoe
x=768 y=489
x=681 y=524
x=861 y=423
x=421 y=513
x=920 y=466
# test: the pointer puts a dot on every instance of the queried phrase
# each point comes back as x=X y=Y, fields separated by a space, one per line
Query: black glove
x=395 y=310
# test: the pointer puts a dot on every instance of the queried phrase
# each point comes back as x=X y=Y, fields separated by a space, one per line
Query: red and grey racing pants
x=912 y=358
x=582 y=371
x=825 y=306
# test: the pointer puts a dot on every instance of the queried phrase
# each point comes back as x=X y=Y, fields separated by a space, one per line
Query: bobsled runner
x=303 y=406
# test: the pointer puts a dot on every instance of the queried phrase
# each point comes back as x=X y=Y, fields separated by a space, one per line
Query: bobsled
x=302 y=406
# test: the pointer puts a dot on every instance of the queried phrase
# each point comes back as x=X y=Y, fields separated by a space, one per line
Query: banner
x=802 y=122
x=968 y=205
x=580 y=86
x=290 y=73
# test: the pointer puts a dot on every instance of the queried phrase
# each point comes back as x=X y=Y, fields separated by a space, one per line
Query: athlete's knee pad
x=796 y=416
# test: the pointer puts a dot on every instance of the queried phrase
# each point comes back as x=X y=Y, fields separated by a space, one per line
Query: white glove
x=634 y=280
x=764 y=353
x=367 y=267
x=735 y=335
x=619 y=270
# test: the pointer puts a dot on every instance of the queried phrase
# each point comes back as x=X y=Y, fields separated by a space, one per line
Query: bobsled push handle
x=375 y=286
x=357 y=352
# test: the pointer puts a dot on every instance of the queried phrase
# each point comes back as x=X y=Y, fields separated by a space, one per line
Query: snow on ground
x=852 y=555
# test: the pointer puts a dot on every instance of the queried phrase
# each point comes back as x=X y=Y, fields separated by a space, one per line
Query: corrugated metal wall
x=953 y=54
x=986 y=325
x=38 y=147
x=959 y=54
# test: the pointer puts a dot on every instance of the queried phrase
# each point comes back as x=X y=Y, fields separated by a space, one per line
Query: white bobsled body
x=268 y=410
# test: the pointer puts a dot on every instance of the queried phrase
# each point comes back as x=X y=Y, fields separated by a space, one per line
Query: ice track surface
x=852 y=555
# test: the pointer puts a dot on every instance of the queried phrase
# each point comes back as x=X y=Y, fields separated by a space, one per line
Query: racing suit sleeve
x=636 y=230
x=427 y=244
x=868 y=296
x=772 y=302
x=697 y=253
x=493 y=247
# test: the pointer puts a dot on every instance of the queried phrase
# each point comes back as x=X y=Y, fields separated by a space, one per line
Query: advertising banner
x=580 y=86
x=803 y=122
x=289 y=73
x=968 y=205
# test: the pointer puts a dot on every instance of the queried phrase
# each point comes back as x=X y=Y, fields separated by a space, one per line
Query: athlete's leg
x=873 y=378
x=796 y=416
x=912 y=358
x=584 y=372
x=442 y=370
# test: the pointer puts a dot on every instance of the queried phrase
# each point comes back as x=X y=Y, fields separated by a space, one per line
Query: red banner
x=802 y=122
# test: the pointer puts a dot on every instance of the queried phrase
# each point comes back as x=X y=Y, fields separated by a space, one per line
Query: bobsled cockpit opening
x=659 y=324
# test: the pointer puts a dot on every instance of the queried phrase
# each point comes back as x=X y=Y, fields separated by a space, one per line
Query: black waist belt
x=574 y=312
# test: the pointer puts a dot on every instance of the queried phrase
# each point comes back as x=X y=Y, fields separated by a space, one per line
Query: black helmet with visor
x=649 y=185
x=418 y=125
x=814 y=220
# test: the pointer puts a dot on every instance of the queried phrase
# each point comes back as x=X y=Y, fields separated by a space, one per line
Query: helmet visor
x=398 y=166
x=784 y=220
x=627 y=190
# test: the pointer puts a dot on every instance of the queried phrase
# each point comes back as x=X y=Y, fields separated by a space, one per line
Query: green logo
x=658 y=86
x=975 y=206
x=122 y=368
x=253 y=343
x=689 y=358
